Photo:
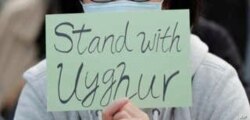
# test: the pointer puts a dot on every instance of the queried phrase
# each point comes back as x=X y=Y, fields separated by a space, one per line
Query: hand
x=123 y=109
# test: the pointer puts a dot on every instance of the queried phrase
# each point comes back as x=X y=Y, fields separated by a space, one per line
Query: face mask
x=121 y=6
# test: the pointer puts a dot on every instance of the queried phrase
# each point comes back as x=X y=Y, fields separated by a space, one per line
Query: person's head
x=193 y=5
x=74 y=6
x=105 y=1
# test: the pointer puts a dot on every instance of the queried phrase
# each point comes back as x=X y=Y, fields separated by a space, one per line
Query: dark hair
x=56 y=6
x=192 y=5
x=73 y=6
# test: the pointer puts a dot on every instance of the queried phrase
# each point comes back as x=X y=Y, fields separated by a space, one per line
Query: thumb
x=113 y=108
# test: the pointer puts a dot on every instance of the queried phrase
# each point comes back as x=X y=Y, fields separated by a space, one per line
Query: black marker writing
x=92 y=44
x=164 y=43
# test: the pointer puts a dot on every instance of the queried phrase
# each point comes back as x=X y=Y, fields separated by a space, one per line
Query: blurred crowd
x=226 y=30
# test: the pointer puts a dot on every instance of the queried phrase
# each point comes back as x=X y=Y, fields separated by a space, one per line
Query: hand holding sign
x=123 y=109
x=94 y=59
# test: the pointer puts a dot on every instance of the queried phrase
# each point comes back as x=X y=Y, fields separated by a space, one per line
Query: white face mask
x=121 y=6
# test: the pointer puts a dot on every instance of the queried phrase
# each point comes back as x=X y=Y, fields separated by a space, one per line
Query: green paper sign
x=96 y=58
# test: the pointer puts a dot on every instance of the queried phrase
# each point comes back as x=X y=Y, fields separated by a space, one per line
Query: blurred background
x=224 y=25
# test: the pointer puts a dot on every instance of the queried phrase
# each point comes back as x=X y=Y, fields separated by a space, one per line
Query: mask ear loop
x=81 y=2
x=161 y=3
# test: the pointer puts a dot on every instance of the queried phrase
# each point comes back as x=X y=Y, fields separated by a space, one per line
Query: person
x=17 y=48
x=220 y=43
x=217 y=91
x=247 y=69
x=232 y=16
x=247 y=62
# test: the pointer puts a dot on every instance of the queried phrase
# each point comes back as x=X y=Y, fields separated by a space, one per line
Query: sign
x=96 y=58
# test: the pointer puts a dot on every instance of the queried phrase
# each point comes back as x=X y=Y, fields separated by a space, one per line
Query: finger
x=121 y=115
x=131 y=109
x=134 y=112
x=110 y=110
x=131 y=119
